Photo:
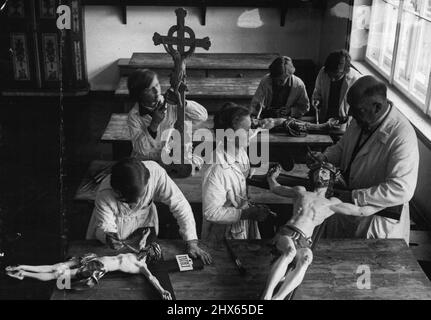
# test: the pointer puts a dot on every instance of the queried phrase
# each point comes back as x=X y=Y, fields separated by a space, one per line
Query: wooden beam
x=203 y=12
x=124 y=12
x=283 y=12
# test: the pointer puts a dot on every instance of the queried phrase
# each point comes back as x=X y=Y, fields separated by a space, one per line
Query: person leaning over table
x=152 y=114
x=226 y=210
x=379 y=158
x=332 y=83
x=280 y=93
x=125 y=203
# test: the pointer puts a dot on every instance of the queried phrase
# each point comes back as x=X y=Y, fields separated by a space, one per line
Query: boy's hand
x=113 y=241
x=333 y=123
x=159 y=113
x=195 y=252
x=256 y=212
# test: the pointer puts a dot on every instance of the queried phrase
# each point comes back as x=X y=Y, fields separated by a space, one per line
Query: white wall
x=334 y=28
x=107 y=39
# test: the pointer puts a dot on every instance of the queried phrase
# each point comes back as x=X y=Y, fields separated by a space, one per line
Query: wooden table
x=205 y=64
x=218 y=65
x=207 y=88
x=117 y=133
x=192 y=186
x=117 y=130
x=213 y=78
x=395 y=274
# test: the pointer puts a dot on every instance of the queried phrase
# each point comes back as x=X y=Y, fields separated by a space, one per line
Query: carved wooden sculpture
x=178 y=75
x=293 y=240
x=86 y=271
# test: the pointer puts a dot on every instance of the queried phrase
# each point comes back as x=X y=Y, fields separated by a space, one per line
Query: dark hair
x=280 y=66
x=378 y=89
x=138 y=81
x=334 y=59
x=373 y=87
x=228 y=115
x=129 y=176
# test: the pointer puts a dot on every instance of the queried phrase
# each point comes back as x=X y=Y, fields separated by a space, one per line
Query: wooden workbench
x=117 y=131
x=395 y=274
x=207 y=88
x=217 y=65
x=192 y=186
x=117 y=134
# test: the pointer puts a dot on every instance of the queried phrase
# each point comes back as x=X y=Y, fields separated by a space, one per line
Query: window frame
x=424 y=107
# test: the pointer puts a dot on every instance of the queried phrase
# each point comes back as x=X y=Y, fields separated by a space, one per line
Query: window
x=399 y=46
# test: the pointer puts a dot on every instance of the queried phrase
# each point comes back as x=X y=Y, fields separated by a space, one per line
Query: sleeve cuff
x=190 y=236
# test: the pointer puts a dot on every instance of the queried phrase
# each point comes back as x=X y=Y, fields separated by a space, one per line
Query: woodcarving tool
x=234 y=258
x=316 y=109
x=251 y=203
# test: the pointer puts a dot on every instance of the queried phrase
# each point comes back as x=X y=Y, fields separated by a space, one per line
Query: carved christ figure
x=86 y=271
x=178 y=75
x=293 y=240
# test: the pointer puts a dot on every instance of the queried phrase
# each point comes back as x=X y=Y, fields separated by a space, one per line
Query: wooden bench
x=208 y=88
x=213 y=78
x=117 y=133
x=224 y=65
x=191 y=186
x=395 y=274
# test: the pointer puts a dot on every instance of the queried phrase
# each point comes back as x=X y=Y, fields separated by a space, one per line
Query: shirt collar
x=374 y=125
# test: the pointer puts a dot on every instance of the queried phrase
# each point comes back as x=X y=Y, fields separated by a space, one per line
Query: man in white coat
x=125 y=204
x=379 y=158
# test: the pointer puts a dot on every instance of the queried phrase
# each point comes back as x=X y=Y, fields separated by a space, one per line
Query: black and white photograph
x=210 y=150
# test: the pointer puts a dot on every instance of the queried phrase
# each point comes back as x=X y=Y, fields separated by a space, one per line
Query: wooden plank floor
x=395 y=274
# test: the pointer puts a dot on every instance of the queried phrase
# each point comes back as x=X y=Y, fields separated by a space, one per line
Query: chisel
x=235 y=259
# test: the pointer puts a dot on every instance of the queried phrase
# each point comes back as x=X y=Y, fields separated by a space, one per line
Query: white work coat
x=111 y=215
x=383 y=174
x=297 y=102
x=322 y=89
x=223 y=182
x=149 y=148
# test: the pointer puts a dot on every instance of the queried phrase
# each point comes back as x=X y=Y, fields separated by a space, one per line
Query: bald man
x=379 y=158
x=280 y=93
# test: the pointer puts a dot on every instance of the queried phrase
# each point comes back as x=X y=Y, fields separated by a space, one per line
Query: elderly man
x=379 y=158
x=280 y=93
x=332 y=83
x=125 y=204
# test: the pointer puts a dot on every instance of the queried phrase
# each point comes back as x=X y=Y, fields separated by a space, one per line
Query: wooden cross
x=179 y=55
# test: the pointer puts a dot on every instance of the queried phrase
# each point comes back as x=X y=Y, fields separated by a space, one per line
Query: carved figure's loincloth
x=298 y=237
x=90 y=271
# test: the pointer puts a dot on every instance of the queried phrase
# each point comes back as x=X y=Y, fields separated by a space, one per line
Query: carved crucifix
x=179 y=55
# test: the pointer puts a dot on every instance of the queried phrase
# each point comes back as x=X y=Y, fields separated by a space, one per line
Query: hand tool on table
x=234 y=258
